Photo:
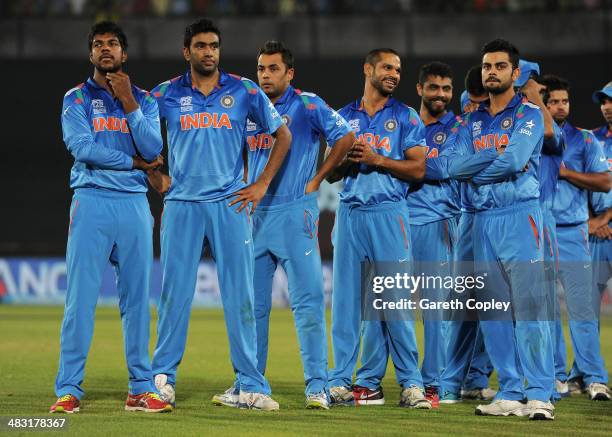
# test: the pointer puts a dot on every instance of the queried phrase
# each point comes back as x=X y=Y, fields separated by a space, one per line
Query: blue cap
x=606 y=91
x=465 y=99
x=528 y=69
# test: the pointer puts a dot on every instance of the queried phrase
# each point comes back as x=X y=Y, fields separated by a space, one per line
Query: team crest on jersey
x=506 y=123
x=98 y=106
x=390 y=125
x=439 y=138
x=354 y=124
x=227 y=101
x=186 y=105
x=286 y=119
x=476 y=128
x=250 y=126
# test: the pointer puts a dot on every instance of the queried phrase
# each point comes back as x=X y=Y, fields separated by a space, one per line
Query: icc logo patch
x=506 y=123
x=390 y=125
x=354 y=124
x=439 y=138
x=186 y=105
x=98 y=106
x=286 y=119
x=227 y=101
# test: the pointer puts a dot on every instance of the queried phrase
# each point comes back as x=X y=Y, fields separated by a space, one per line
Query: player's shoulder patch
x=308 y=99
x=162 y=88
x=77 y=92
x=413 y=116
x=458 y=121
x=248 y=83
x=587 y=135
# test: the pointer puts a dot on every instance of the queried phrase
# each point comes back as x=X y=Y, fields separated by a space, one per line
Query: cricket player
x=285 y=225
x=372 y=224
x=467 y=366
x=507 y=235
x=434 y=207
x=206 y=112
x=111 y=128
x=584 y=167
x=600 y=233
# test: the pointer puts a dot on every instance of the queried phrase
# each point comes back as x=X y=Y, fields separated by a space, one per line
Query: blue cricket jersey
x=435 y=199
x=600 y=202
x=206 y=134
x=103 y=138
x=552 y=151
x=390 y=132
x=512 y=176
x=582 y=153
x=308 y=117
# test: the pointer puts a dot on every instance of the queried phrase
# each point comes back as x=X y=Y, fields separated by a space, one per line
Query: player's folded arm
x=145 y=128
x=459 y=159
x=81 y=144
x=553 y=145
x=522 y=142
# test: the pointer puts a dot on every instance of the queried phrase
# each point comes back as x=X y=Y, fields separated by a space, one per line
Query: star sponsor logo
x=390 y=125
x=439 y=138
x=186 y=105
x=530 y=124
x=506 y=123
x=273 y=110
x=227 y=101
x=354 y=124
x=286 y=119
x=98 y=106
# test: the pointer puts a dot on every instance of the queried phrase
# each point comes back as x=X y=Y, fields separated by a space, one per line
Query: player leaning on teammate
x=111 y=128
x=207 y=113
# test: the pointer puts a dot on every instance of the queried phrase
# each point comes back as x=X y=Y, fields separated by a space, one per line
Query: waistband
x=310 y=198
x=384 y=206
x=109 y=194
x=519 y=206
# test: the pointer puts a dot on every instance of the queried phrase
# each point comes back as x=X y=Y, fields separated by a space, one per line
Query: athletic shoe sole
x=166 y=409
x=366 y=402
x=541 y=416
x=313 y=405
x=62 y=411
x=520 y=412
x=218 y=403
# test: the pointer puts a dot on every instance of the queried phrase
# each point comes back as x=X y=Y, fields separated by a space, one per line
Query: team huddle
x=509 y=190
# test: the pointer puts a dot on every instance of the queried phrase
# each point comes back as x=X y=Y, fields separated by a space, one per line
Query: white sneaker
x=413 y=397
x=229 y=398
x=479 y=394
x=575 y=387
x=317 y=401
x=562 y=388
x=598 y=392
x=502 y=407
x=257 y=401
x=539 y=410
x=166 y=391
x=341 y=395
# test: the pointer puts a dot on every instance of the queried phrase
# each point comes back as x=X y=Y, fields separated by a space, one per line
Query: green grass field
x=28 y=362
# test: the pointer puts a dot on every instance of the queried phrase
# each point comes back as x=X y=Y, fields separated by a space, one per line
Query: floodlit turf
x=29 y=355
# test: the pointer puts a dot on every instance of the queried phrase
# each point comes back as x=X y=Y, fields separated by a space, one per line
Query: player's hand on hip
x=251 y=194
x=364 y=154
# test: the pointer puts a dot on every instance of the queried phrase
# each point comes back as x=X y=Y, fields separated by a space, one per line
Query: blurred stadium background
x=43 y=53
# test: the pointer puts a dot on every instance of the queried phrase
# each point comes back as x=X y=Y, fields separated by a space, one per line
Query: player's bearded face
x=203 y=53
x=106 y=53
x=436 y=93
x=497 y=72
x=558 y=105
x=386 y=74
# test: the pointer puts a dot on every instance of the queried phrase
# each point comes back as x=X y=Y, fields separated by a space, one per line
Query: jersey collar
x=186 y=79
x=286 y=96
x=358 y=106
x=517 y=99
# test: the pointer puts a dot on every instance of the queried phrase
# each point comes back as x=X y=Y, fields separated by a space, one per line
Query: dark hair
x=373 y=56
x=272 y=47
x=501 y=45
x=553 y=83
x=203 y=25
x=473 y=81
x=434 y=68
x=107 y=27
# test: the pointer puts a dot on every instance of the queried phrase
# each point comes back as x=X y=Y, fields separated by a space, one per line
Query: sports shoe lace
x=64 y=398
